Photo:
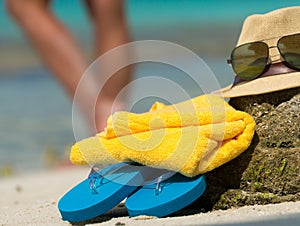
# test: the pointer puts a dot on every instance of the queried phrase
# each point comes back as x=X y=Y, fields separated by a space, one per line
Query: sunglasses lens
x=250 y=60
x=289 y=47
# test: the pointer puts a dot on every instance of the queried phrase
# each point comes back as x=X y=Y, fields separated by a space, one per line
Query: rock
x=268 y=171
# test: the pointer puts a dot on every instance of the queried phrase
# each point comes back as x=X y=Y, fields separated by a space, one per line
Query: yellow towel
x=190 y=137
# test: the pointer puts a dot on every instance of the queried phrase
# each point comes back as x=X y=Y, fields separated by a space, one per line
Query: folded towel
x=191 y=137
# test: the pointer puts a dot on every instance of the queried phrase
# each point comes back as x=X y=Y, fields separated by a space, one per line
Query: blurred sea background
x=35 y=112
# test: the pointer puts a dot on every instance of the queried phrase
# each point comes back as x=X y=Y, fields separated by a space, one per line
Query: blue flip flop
x=165 y=196
x=105 y=189
x=100 y=192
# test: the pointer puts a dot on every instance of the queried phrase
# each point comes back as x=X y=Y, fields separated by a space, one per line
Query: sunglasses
x=251 y=60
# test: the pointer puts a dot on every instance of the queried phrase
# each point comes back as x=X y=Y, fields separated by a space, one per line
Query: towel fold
x=190 y=137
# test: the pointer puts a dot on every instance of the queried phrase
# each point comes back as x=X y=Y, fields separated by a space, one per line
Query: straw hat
x=267 y=27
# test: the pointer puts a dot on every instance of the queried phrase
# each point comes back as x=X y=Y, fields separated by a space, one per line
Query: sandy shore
x=31 y=199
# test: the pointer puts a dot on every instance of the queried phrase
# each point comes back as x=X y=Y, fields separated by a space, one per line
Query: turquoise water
x=146 y=14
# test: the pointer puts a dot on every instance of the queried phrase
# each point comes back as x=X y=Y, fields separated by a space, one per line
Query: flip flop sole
x=176 y=193
x=81 y=203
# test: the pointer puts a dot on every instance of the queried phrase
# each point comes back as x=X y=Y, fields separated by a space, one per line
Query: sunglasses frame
x=269 y=62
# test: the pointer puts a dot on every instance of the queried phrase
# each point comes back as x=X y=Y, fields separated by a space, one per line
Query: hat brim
x=261 y=85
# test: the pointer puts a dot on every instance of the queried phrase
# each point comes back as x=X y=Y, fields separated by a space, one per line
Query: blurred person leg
x=111 y=30
x=61 y=53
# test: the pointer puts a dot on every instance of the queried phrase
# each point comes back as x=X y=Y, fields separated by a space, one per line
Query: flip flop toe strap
x=94 y=178
x=97 y=178
x=159 y=182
